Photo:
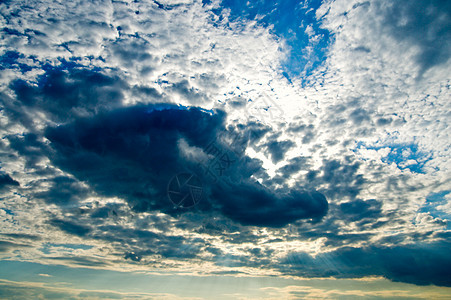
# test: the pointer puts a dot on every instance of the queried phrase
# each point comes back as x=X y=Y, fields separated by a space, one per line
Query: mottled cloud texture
x=317 y=133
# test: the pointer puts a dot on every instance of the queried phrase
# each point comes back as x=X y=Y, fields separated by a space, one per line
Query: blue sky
x=294 y=22
x=186 y=149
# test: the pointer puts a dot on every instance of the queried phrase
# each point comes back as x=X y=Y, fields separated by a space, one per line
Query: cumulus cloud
x=133 y=153
x=318 y=140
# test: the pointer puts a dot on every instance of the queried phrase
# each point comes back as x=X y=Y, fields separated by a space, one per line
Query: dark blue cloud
x=295 y=165
x=130 y=151
x=420 y=264
x=131 y=49
x=358 y=116
x=63 y=191
x=133 y=256
x=277 y=149
x=6 y=180
x=184 y=89
x=10 y=60
x=253 y=204
x=70 y=227
x=424 y=25
x=138 y=244
x=66 y=91
x=28 y=146
x=307 y=130
x=342 y=178
x=6 y=246
x=147 y=91
x=77 y=260
x=359 y=210
x=19 y=236
x=133 y=153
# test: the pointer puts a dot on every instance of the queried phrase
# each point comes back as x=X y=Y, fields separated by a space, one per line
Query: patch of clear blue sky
x=432 y=202
x=8 y=211
x=402 y=155
x=289 y=19
x=10 y=60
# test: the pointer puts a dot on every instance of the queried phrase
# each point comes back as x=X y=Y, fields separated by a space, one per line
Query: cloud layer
x=319 y=141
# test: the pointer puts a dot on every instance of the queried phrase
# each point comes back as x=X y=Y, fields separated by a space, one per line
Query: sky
x=188 y=149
